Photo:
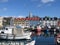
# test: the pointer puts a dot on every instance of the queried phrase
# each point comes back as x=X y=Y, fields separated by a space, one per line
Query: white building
x=48 y=21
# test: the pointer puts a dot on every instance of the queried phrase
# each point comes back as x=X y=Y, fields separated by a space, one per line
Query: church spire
x=30 y=14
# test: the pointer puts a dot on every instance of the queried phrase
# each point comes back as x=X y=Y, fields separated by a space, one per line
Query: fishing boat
x=10 y=33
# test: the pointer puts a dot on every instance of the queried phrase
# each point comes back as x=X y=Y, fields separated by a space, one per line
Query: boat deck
x=6 y=36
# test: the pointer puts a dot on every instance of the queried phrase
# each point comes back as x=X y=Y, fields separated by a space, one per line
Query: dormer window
x=51 y=18
x=55 y=18
x=47 y=18
x=43 y=18
x=6 y=28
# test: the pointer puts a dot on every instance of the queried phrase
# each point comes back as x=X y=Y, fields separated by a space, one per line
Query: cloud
x=44 y=1
x=21 y=16
x=5 y=16
x=14 y=16
x=2 y=1
x=47 y=1
x=4 y=9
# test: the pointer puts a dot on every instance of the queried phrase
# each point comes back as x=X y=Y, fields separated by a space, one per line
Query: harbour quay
x=12 y=43
x=30 y=28
x=30 y=21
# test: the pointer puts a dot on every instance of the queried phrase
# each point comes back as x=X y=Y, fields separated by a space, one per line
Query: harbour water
x=43 y=39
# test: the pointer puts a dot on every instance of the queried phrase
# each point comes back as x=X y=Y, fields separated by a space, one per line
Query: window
x=43 y=18
x=55 y=18
x=6 y=28
x=47 y=18
x=2 y=32
x=50 y=18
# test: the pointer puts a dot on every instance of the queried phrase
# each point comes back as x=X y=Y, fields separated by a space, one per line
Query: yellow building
x=21 y=21
x=1 y=21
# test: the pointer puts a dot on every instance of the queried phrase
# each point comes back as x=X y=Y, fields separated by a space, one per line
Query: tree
x=6 y=20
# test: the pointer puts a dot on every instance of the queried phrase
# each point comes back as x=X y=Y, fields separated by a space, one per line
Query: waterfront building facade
x=31 y=21
x=1 y=22
x=49 y=21
x=27 y=22
x=21 y=22
x=6 y=21
x=34 y=21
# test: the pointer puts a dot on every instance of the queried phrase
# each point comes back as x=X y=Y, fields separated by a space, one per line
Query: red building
x=58 y=23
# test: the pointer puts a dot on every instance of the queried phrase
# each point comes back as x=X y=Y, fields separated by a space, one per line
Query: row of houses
x=25 y=22
x=29 y=21
x=34 y=20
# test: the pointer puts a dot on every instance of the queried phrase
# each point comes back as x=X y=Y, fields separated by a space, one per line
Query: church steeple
x=30 y=14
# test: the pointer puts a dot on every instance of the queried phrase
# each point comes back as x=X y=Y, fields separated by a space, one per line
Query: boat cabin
x=7 y=30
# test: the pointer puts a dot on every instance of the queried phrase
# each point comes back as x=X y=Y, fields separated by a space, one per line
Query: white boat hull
x=5 y=36
x=58 y=40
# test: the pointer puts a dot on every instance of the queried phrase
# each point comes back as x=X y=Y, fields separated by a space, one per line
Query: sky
x=21 y=8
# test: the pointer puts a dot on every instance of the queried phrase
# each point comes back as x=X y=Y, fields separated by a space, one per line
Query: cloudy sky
x=36 y=7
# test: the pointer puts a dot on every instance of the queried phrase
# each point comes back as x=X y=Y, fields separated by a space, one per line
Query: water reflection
x=46 y=37
x=20 y=42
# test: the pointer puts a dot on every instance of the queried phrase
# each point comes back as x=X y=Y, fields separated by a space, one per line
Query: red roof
x=33 y=18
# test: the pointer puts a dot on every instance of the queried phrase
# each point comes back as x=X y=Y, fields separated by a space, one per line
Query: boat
x=58 y=39
x=31 y=43
x=10 y=33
